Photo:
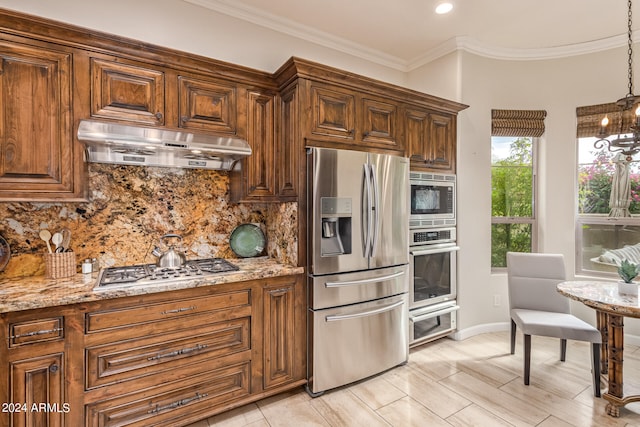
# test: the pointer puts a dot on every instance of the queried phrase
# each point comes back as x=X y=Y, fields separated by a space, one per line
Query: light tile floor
x=475 y=382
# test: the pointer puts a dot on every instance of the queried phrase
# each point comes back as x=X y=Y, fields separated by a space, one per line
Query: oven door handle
x=364 y=313
x=432 y=314
x=363 y=281
x=434 y=250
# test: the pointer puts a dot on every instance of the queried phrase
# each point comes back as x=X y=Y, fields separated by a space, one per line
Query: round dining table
x=611 y=308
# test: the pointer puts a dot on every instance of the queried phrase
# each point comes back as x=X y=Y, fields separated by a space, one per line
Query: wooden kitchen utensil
x=46 y=236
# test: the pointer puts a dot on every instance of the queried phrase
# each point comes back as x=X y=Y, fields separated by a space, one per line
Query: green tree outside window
x=512 y=198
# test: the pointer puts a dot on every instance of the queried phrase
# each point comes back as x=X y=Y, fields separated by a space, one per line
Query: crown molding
x=463 y=43
x=294 y=29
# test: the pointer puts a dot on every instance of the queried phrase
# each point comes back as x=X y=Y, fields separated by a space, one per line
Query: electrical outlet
x=496 y=300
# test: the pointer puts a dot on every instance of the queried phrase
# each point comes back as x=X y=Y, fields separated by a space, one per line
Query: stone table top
x=601 y=295
x=39 y=292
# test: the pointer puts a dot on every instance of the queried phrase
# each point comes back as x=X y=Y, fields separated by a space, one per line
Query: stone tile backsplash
x=130 y=207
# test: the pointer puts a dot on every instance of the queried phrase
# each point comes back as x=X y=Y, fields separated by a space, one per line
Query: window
x=601 y=241
x=513 y=176
x=596 y=233
x=515 y=136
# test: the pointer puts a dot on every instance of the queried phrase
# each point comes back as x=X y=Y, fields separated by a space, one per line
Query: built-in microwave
x=433 y=200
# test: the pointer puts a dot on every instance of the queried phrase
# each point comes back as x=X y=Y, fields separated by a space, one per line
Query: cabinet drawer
x=127 y=317
x=167 y=354
x=172 y=403
x=36 y=331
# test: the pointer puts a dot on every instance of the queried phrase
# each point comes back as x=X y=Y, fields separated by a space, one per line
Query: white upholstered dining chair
x=537 y=308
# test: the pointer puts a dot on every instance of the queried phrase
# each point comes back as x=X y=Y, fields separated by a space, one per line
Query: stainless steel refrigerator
x=357 y=264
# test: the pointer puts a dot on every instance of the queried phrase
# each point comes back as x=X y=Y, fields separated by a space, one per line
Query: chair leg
x=513 y=336
x=527 y=358
x=595 y=360
x=563 y=350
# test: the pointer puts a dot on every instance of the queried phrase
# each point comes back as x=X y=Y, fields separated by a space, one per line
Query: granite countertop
x=601 y=295
x=39 y=292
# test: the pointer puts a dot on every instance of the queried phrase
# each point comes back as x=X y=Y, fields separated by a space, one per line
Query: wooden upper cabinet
x=334 y=112
x=207 y=105
x=379 y=123
x=38 y=156
x=442 y=132
x=353 y=117
x=430 y=140
x=261 y=170
x=288 y=153
x=127 y=92
x=416 y=132
x=270 y=173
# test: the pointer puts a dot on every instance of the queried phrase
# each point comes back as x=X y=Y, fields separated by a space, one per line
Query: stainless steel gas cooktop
x=148 y=274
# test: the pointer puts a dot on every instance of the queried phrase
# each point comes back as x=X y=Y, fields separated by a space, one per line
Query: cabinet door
x=443 y=142
x=430 y=139
x=38 y=381
x=127 y=92
x=416 y=127
x=334 y=112
x=288 y=148
x=37 y=158
x=379 y=123
x=279 y=335
x=206 y=105
x=261 y=165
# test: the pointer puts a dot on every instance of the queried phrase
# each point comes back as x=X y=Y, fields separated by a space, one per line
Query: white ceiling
x=405 y=34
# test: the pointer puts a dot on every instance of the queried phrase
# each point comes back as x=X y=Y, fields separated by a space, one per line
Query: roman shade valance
x=590 y=118
x=517 y=122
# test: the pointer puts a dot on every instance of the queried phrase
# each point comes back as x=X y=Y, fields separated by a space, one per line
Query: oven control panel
x=427 y=236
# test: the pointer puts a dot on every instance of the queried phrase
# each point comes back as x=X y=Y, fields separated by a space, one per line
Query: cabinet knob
x=184 y=119
x=158 y=115
x=53 y=368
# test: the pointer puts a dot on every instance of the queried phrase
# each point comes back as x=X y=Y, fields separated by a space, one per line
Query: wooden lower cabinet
x=164 y=359
x=280 y=361
x=174 y=403
x=37 y=391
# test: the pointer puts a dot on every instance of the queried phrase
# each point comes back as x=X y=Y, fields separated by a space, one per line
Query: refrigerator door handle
x=366 y=211
x=363 y=281
x=375 y=208
x=389 y=307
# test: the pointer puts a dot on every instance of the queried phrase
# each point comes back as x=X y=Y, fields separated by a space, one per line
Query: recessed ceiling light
x=444 y=7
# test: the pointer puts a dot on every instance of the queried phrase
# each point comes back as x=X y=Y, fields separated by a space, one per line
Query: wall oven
x=433 y=200
x=433 y=272
x=433 y=288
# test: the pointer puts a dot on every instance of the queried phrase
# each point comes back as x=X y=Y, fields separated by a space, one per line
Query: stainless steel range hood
x=142 y=146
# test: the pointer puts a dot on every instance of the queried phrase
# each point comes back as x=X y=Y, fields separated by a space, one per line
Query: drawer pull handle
x=177 y=403
x=178 y=352
x=179 y=310
x=34 y=333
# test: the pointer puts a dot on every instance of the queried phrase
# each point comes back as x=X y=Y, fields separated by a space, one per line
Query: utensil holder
x=59 y=265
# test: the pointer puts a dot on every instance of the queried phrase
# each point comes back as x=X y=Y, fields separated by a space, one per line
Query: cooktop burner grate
x=145 y=274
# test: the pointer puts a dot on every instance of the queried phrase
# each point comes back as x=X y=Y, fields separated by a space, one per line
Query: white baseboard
x=463 y=334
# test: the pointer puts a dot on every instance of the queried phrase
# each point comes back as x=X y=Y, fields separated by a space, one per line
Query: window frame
x=533 y=220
